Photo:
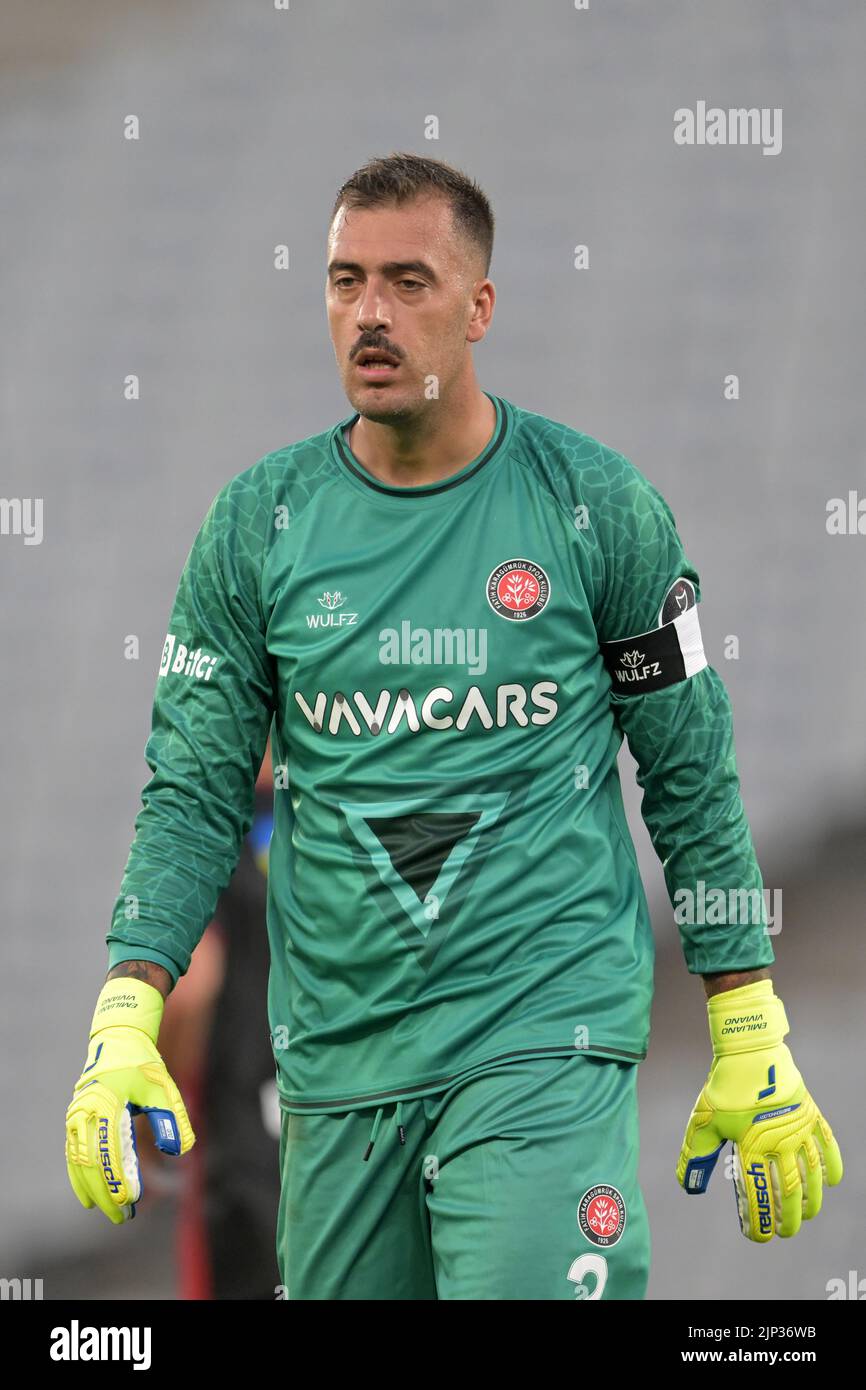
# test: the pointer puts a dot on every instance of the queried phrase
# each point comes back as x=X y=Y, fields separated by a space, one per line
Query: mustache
x=372 y=343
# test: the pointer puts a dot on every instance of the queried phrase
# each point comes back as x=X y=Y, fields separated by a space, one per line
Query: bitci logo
x=518 y=589
x=601 y=1215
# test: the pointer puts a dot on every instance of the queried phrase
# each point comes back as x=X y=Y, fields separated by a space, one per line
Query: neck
x=430 y=446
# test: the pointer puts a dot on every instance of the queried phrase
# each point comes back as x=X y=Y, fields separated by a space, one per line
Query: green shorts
x=517 y=1183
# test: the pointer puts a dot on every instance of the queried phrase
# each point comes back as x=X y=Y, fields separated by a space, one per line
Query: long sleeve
x=674 y=710
x=211 y=716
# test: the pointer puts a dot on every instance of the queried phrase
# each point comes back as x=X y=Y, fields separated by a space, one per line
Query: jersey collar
x=494 y=446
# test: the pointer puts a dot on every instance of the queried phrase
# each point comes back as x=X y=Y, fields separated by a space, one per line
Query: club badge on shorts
x=518 y=589
x=601 y=1214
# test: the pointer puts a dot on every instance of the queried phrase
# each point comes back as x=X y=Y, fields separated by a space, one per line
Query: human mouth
x=375 y=364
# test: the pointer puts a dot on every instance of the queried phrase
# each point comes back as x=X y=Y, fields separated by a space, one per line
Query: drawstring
x=375 y=1129
x=373 y=1132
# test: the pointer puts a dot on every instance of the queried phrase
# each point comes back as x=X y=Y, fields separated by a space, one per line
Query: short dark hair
x=400 y=177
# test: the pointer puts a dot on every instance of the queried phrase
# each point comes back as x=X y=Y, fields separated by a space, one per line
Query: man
x=453 y=610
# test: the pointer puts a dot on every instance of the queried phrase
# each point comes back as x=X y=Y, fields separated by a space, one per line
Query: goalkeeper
x=452 y=610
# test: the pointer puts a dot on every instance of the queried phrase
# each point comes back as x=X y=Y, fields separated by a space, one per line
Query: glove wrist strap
x=127 y=1003
x=746 y=1019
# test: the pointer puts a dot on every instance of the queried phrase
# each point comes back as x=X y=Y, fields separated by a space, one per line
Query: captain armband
x=666 y=654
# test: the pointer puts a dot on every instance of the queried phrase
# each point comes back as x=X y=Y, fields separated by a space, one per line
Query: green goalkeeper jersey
x=447 y=672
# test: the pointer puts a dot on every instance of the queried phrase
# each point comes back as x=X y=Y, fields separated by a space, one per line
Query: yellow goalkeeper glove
x=784 y=1149
x=123 y=1076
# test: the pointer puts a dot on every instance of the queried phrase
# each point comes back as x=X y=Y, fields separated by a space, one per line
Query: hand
x=123 y=1076
x=784 y=1149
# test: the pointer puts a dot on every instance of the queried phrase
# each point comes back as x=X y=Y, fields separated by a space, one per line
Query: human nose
x=373 y=310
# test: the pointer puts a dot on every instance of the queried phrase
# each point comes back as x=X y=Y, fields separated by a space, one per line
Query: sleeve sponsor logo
x=179 y=660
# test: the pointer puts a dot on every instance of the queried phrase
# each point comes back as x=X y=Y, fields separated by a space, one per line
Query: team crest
x=601 y=1215
x=518 y=589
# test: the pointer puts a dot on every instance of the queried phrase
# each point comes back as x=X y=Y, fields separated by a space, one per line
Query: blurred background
x=155 y=256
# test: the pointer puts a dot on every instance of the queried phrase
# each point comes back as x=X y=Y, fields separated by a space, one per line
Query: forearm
x=146 y=970
x=682 y=739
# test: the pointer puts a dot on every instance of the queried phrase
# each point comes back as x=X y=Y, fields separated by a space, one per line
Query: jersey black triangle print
x=451 y=875
x=419 y=845
x=421 y=858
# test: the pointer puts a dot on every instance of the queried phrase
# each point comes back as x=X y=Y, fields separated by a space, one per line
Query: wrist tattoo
x=146 y=970
x=732 y=979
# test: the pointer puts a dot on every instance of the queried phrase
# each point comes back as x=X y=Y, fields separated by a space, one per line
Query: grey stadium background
x=156 y=257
